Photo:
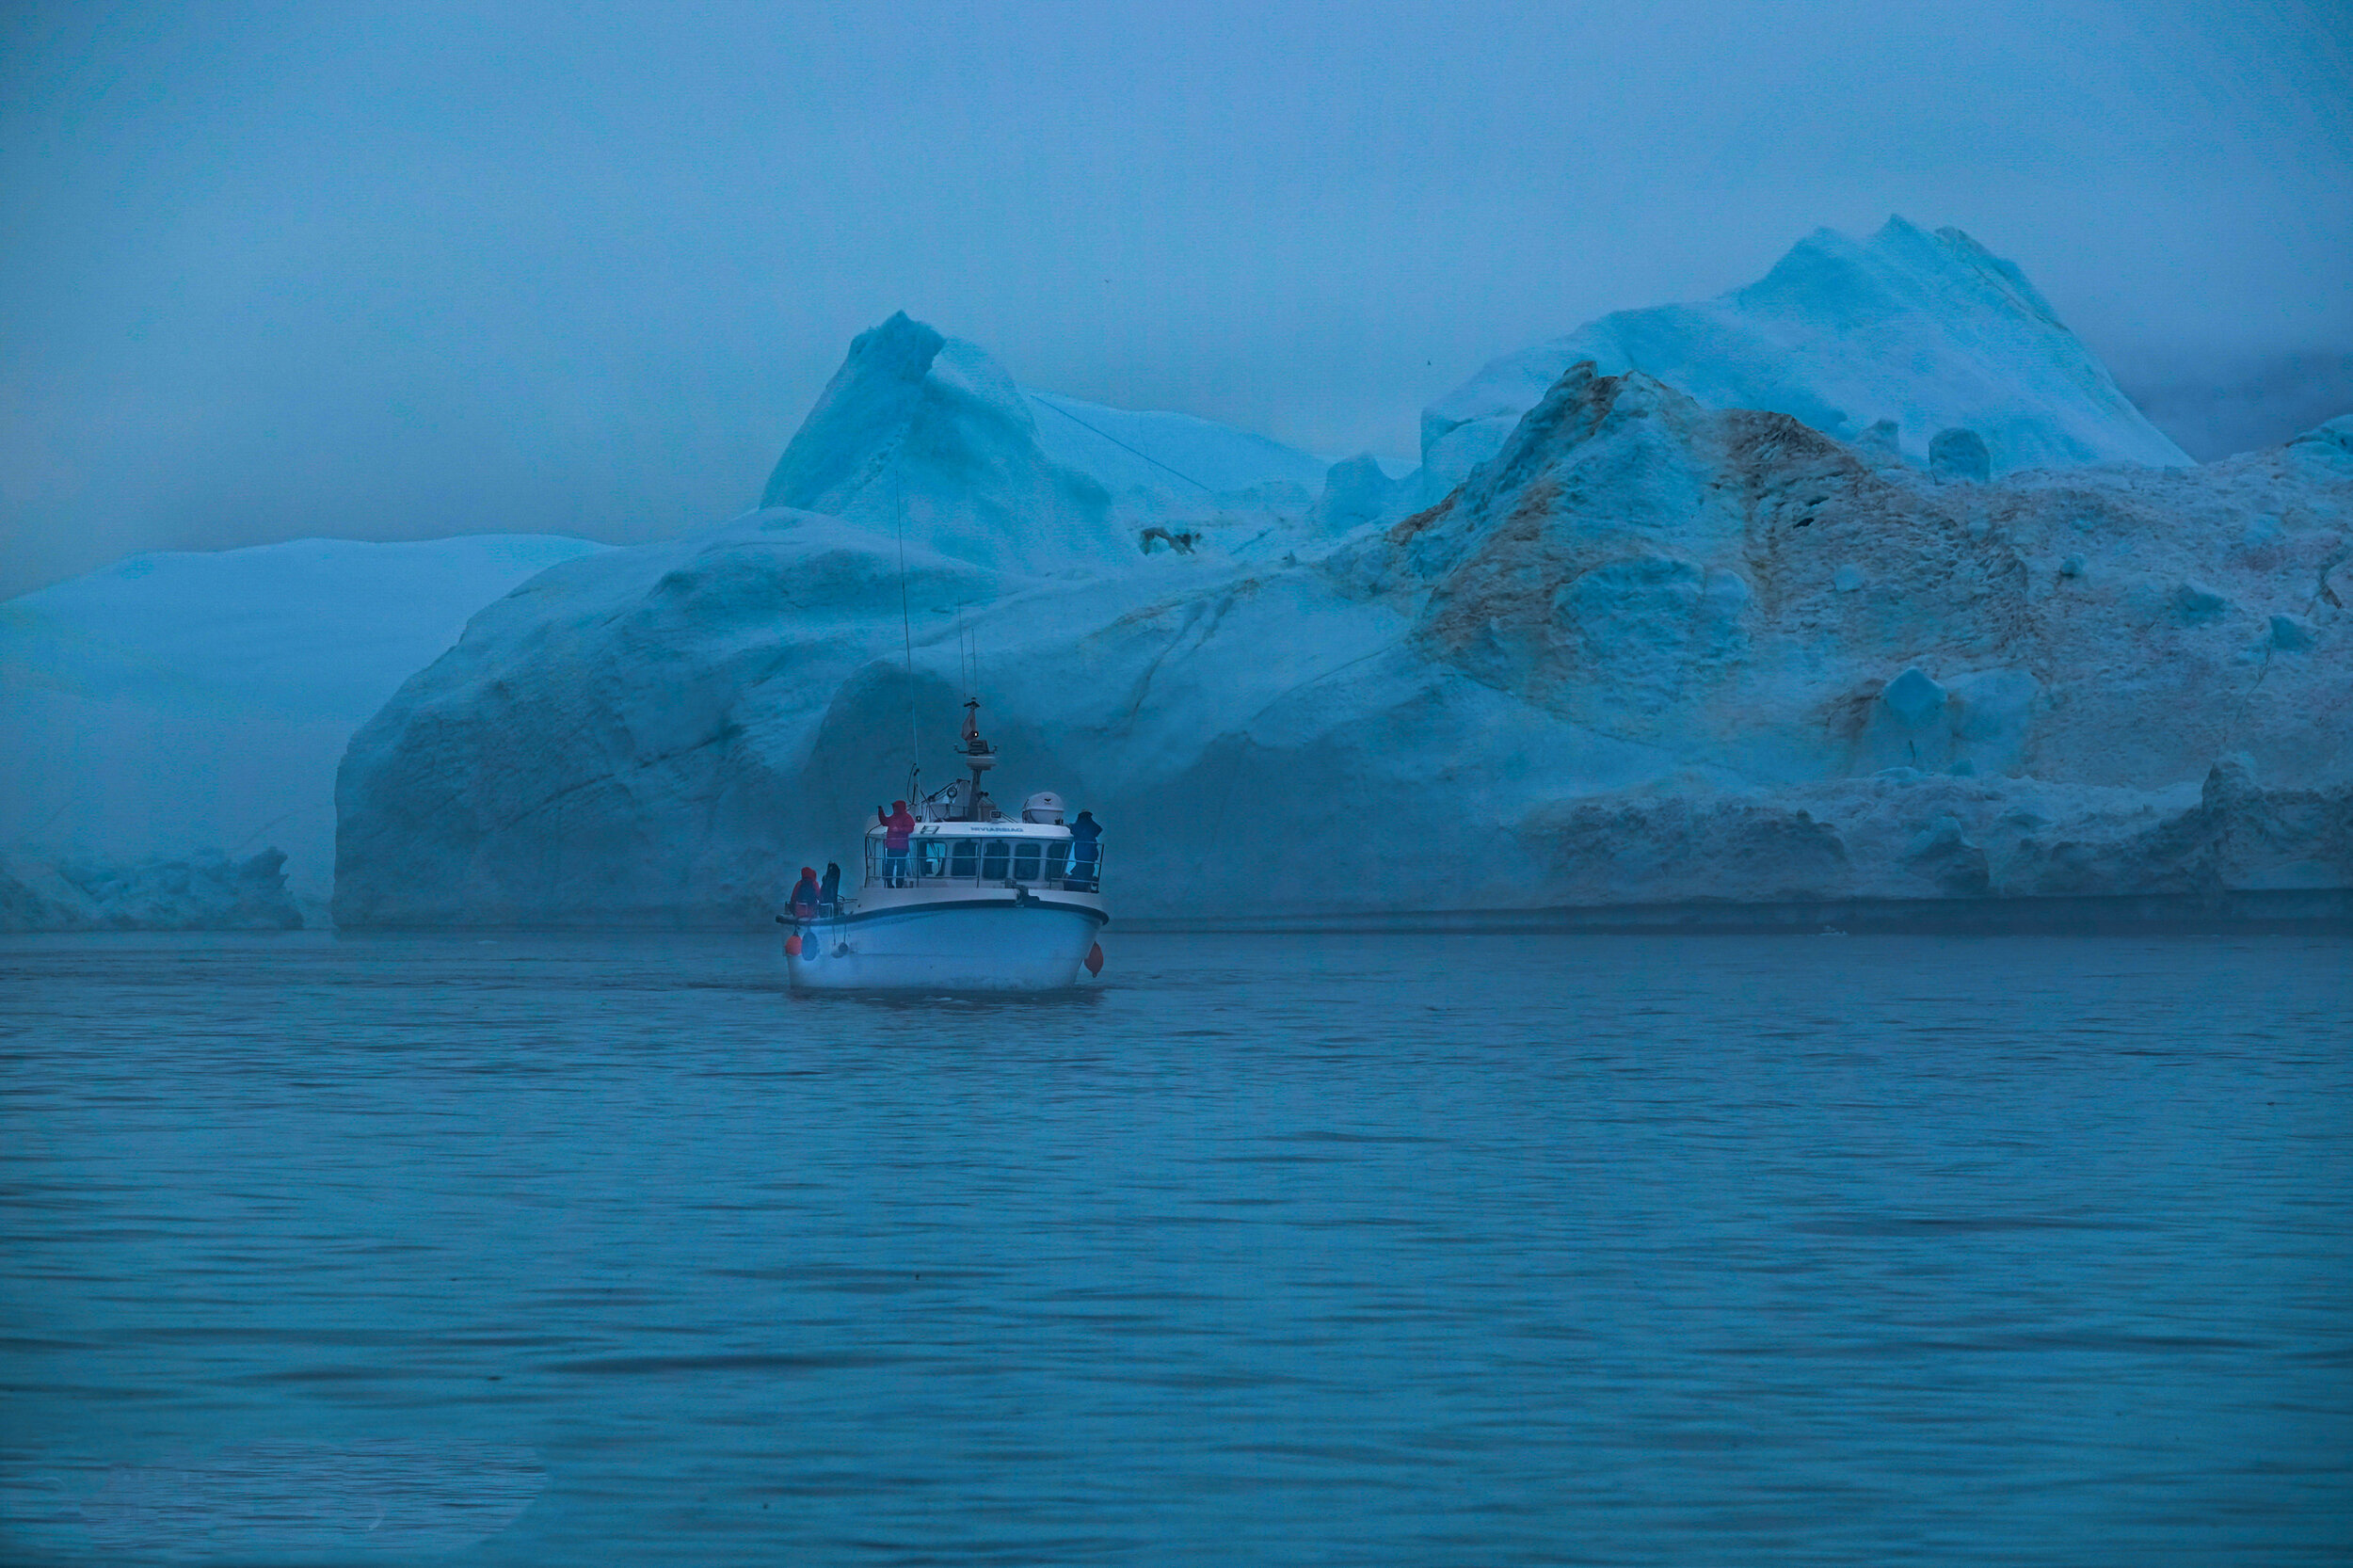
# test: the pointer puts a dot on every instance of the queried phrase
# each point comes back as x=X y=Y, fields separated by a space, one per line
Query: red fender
x=1094 y=959
x=792 y=945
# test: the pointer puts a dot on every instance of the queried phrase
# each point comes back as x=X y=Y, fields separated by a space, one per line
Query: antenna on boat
x=964 y=667
x=967 y=654
x=906 y=633
x=1122 y=445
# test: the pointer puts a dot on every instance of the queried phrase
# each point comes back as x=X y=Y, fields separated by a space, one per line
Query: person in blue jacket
x=1083 y=852
x=829 y=890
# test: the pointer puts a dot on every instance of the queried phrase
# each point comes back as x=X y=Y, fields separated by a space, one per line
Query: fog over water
x=399 y=271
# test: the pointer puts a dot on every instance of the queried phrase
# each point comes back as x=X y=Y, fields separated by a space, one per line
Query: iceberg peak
x=876 y=388
x=1920 y=331
x=925 y=434
x=929 y=434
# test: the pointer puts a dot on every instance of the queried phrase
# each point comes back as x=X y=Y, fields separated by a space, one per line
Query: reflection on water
x=303 y=1500
x=1272 y=1249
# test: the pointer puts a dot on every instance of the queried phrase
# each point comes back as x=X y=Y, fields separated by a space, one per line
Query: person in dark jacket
x=829 y=890
x=1083 y=851
x=897 y=825
x=805 y=895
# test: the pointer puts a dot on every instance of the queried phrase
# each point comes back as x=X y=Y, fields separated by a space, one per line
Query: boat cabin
x=986 y=854
x=961 y=836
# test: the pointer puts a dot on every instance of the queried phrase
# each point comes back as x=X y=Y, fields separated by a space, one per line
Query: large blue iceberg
x=1645 y=650
x=1863 y=582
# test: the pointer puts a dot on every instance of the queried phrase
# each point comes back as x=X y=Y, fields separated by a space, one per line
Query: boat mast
x=979 y=755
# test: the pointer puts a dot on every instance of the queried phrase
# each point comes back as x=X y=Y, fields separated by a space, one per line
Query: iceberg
x=207 y=892
x=1645 y=648
x=177 y=704
x=1913 y=333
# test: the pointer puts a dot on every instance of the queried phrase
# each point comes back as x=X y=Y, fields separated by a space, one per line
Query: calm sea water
x=1399 y=1249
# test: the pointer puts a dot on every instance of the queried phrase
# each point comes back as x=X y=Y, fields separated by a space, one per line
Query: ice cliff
x=1899 y=337
x=1646 y=648
x=181 y=703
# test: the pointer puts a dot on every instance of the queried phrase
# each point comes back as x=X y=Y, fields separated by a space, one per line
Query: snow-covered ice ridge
x=1646 y=650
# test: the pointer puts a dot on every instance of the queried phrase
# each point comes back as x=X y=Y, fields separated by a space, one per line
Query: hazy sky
x=416 y=269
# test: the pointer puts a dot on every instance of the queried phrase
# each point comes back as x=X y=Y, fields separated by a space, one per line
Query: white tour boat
x=977 y=902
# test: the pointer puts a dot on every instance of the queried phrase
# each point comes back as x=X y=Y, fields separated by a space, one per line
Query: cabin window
x=1025 y=862
x=965 y=861
x=993 y=860
x=1057 y=860
x=935 y=853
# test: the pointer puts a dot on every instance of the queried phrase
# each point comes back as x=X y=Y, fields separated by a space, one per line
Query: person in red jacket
x=897 y=825
x=805 y=895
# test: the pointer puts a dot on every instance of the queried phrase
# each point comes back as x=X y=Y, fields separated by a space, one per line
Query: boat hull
x=966 y=945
